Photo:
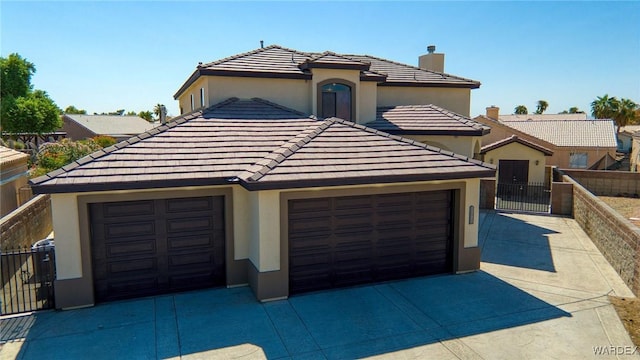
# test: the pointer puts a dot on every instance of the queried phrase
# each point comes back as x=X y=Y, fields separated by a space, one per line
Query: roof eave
x=432 y=132
x=474 y=85
x=136 y=185
x=297 y=184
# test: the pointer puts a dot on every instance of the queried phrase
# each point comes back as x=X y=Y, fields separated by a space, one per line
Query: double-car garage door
x=341 y=241
x=157 y=246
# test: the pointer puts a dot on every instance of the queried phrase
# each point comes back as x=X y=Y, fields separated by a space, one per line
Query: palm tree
x=520 y=110
x=574 y=110
x=603 y=107
x=626 y=113
x=541 y=107
x=157 y=110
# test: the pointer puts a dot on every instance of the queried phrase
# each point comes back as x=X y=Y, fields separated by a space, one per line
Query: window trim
x=202 y=97
x=582 y=154
x=348 y=83
x=193 y=103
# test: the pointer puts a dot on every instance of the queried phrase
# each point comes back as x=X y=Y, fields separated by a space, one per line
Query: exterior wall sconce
x=491 y=161
x=537 y=162
x=471 y=214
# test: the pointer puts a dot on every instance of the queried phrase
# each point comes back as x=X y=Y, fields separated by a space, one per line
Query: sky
x=110 y=55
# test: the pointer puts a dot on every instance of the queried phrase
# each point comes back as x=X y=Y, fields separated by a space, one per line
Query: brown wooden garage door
x=150 y=247
x=342 y=241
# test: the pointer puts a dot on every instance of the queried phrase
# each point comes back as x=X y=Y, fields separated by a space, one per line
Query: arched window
x=336 y=100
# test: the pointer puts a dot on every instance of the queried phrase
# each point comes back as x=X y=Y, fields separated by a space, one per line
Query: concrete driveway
x=541 y=294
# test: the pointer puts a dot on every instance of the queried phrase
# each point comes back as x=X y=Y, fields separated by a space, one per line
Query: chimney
x=261 y=44
x=163 y=115
x=431 y=61
x=493 y=112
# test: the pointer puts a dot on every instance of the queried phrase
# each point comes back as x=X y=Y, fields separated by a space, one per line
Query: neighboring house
x=516 y=117
x=625 y=137
x=13 y=176
x=634 y=158
x=79 y=127
x=519 y=161
x=581 y=144
x=279 y=193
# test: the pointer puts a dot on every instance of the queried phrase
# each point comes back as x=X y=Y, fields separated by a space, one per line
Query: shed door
x=151 y=247
x=342 y=241
x=513 y=171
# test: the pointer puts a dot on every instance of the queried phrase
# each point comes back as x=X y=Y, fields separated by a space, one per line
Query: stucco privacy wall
x=607 y=183
x=453 y=99
x=26 y=224
x=616 y=237
x=64 y=208
x=517 y=151
x=463 y=145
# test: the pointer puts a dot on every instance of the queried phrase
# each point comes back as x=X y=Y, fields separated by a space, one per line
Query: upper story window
x=193 y=103
x=336 y=99
x=202 y=97
x=578 y=160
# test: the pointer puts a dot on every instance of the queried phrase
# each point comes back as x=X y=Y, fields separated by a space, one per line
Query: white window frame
x=193 y=103
x=578 y=160
x=202 y=97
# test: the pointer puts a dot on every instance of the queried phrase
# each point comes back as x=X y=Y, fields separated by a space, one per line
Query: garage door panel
x=310 y=205
x=128 y=208
x=370 y=238
x=139 y=255
x=129 y=229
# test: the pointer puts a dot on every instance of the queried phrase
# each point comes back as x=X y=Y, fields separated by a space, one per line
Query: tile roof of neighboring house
x=277 y=61
x=629 y=129
x=516 y=139
x=259 y=145
x=513 y=117
x=569 y=133
x=425 y=120
x=10 y=156
x=112 y=125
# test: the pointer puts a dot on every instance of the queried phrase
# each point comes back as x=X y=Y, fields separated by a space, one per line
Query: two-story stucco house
x=287 y=171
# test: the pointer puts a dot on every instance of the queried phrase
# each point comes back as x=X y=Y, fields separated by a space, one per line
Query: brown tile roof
x=259 y=145
x=277 y=61
x=425 y=120
x=518 y=140
x=9 y=156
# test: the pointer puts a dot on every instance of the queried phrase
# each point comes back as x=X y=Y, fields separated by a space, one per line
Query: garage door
x=342 y=241
x=150 y=247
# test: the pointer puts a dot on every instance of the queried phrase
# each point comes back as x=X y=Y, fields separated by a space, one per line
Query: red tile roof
x=259 y=145
x=425 y=120
x=277 y=61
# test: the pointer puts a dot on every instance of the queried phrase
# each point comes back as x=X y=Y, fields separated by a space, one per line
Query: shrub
x=52 y=156
x=104 y=140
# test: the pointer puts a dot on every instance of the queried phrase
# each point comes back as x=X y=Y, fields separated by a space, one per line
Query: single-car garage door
x=150 y=247
x=342 y=241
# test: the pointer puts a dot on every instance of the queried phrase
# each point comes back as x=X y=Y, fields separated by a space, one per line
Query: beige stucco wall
x=66 y=226
x=463 y=145
x=185 y=99
x=635 y=154
x=291 y=93
x=457 y=100
x=368 y=101
x=471 y=198
x=517 y=151
x=12 y=177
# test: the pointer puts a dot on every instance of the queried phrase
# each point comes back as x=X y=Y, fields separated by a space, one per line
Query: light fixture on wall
x=537 y=162
x=471 y=214
x=491 y=161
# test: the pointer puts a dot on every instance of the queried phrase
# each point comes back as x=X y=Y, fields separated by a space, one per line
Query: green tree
x=604 y=107
x=23 y=109
x=131 y=113
x=541 y=106
x=147 y=115
x=521 y=110
x=73 y=110
x=15 y=76
x=52 y=156
x=34 y=113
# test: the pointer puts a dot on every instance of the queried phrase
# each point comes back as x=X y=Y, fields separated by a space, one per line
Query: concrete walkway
x=541 y=294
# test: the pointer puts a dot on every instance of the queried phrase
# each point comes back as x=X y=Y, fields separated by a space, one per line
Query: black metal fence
x=532 y=197
x=27 y=276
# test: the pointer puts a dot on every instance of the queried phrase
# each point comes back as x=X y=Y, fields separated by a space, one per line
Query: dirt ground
x=628 y=310
x=627 y=207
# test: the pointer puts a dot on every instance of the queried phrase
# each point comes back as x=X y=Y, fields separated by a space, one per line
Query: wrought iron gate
x=532 y=197
x=27 y=277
